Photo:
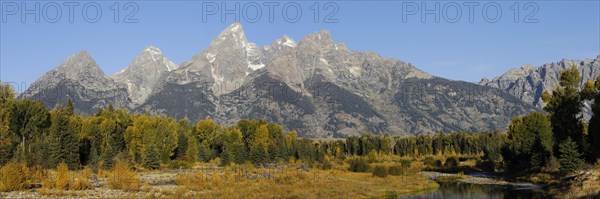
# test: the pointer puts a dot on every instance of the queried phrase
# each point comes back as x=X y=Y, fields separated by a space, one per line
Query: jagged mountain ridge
x=315 y=86
x=143 y=73
x=80 y=79
x=226 y=62
x=529 y=82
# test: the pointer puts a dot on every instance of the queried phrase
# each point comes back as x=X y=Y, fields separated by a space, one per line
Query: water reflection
x=466 y=190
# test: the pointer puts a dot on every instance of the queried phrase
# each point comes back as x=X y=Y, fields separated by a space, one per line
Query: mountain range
x=529 y=82
x=314 y=86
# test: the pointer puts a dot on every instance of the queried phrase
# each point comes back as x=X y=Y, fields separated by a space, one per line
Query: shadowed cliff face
x=456 y=105
x=315 y=86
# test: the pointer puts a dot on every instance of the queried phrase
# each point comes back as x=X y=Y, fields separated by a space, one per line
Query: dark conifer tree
x=570 y=158
x=152 y=159
x=63 y=139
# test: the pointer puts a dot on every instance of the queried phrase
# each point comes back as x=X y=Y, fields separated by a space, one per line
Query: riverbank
x=478 y=178
x=583 y=184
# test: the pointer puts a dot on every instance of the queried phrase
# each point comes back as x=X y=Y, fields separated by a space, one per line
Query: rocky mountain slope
x=80 y=79
x=143 y=73
x=315 y=86
x=529 y=82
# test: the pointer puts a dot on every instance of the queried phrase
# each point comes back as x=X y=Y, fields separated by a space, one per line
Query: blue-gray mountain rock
x=314 y=86
x=143 y=73
x=528 y=82
x=80 y=79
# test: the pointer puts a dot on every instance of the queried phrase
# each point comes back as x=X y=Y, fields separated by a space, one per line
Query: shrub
x=326 y=165
x=430 y=161
x=179 y=164
x=380 y=171
x=291 y=176
x=121 y=177
x=194 y=182
x=102 y=173
x=438 y=163
x=26 y=173
x=37 y=174
x=540 y=178
x=83 y=181
x=395 y=170
x=216 y=179
x=63 y=178
x=358 y=165
x=302 y=175
x=12 y=178
x=451 y=162
x=215 y=161
x=391 y=195
x=405 y=163
x=372 y=157
x=48 y=183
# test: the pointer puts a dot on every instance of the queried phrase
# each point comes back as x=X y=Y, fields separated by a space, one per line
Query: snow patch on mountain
x=255 y=66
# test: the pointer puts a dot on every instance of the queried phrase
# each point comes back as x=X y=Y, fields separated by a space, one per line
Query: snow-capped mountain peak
x=232 y=43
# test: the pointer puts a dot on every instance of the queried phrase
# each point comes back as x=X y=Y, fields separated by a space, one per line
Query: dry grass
x=589 y=187
x=243 y=181
x=207 y=180
x=292 y=183
x=103 y=173
x=193 y=181
x=64 y=182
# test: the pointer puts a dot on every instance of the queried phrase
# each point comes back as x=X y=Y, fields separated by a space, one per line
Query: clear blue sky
x=461 y=51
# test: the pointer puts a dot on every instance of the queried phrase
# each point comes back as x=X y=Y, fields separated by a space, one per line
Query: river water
x=457 y=190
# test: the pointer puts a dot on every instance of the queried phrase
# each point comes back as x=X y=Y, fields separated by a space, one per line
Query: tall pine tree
x=569 y=158
x=183 y=133
x=564 y=106
x=63 y=139
x=205 y=154
x=152 y=159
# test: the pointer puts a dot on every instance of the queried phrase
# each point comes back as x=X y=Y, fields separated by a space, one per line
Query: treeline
x=450 y=144
x=32 y=134
x=558 y=139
